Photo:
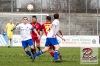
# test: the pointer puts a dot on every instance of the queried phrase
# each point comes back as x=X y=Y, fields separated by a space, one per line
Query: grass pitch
x=15 y=56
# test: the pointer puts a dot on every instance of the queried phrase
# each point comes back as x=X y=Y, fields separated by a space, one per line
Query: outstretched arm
x=36 y=33
x=60 y=32
x=59 y=35
x=15 y=26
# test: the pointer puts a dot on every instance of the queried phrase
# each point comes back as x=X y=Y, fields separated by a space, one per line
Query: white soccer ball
x=30 y=7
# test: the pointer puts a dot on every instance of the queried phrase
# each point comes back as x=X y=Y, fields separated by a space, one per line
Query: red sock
x=39 y=48
x=51 y=53
x=59 y=53
x=34 y=50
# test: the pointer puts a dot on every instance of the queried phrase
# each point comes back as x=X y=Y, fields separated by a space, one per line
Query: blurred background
x=77 y=17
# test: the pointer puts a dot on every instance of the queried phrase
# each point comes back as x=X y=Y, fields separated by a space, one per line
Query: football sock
x=59 y=53
x=32 y=51
x=28 y=53
x=56 y=52
x=51 y=53
x=8 y=42
x=39 y=48
x=38 y=53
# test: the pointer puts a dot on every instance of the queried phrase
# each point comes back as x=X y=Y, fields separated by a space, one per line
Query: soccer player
x=37 y=26
x=25 y=31
x=45 y=28
x=51 y=39
x=8 y=29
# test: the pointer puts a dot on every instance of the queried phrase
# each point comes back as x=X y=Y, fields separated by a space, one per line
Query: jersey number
x=47 y=27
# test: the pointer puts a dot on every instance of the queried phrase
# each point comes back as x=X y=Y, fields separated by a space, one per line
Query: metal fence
x=77 y=17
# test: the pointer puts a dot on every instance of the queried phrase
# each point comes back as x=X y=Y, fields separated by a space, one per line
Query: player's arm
x=17 y=26
x=6 y=28
x=59 y=35
x=41 y=31
x=35 y=32
x=13 y=27
x=60 y=32
x=40 y=27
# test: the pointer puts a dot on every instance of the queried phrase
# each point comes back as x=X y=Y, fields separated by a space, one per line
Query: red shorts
x=35 y=39
x=52 y=47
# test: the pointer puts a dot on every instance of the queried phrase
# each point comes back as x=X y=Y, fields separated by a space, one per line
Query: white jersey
x=50 y=33
x=25 y=30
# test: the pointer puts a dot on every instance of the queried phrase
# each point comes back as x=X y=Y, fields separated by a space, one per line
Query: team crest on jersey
x=36 y=27
x=21 y=27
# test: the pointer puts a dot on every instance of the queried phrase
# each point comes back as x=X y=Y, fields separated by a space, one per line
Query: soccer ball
x=30 y=7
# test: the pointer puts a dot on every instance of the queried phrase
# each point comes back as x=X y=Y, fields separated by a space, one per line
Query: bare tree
x=81 y=5
x=74 y=4
x=56 y=4
x=5 y=5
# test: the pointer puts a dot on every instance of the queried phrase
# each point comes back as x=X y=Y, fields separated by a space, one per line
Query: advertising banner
x=71 y=41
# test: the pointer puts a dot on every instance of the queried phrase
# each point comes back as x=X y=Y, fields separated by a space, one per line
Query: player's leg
x=50 y=51
x=38 y=43
x=31 y=44
x=11 y=36
x=9 y=39
x=44 y=50
x=41 y=51
x=55 y=43
x=56 y=52
x=33 y=39
x=25 y=47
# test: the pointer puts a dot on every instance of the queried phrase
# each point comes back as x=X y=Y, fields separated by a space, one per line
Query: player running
x=25 y=29
x=45 y=29
x=9 y=31
x=51 y=39
x=37 y=26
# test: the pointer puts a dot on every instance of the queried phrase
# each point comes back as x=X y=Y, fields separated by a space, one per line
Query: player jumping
x=37 y=26
x=51 y=39
x=25 y=29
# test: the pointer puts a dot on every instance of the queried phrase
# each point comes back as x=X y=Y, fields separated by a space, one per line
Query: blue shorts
x=51 y=42
x=27 y=43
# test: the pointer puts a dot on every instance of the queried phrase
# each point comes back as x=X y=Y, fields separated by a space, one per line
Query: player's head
x=56 y=16
x=48 y=18
x=34 y=19
x=10 y=21
x=25 y=20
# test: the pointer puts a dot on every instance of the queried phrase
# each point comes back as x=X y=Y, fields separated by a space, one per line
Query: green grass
x=16 y=56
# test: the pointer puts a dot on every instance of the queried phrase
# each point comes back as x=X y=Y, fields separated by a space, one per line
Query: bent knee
x=25 y=49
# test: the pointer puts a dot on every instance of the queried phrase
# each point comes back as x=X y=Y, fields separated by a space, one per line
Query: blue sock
x=28 y=53
x=38 y=53
x=56 y=52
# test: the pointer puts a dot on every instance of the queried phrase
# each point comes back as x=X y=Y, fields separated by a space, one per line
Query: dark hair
x=25 y=17
x=56 y=16
x=48 y=18
x=34 y=17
